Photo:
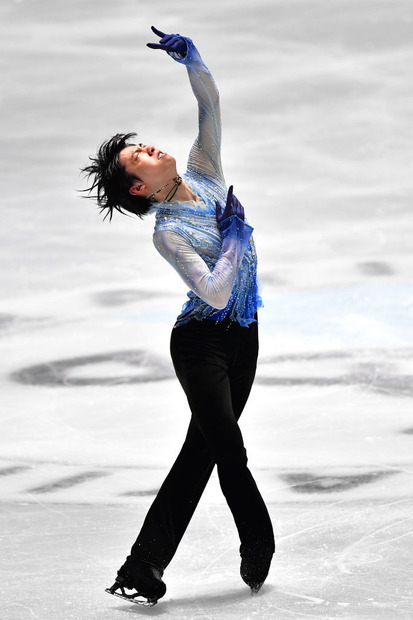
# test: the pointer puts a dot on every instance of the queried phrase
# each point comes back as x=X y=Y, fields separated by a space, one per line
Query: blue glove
x=233 y=207
x=169 y=42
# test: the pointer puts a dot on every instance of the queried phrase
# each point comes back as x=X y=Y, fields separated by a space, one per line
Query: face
x=153 y=167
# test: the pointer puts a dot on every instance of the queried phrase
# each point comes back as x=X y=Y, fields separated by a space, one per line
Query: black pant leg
x=243 y=345
x=175 y=502
x=217 y=386
x=206 y=361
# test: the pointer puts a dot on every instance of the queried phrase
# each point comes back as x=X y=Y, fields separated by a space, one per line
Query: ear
x=137 y=190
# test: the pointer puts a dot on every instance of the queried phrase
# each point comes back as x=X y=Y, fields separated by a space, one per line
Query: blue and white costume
x=218 y=264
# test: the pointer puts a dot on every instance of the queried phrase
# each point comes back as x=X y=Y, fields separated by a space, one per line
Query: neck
x=183 y=192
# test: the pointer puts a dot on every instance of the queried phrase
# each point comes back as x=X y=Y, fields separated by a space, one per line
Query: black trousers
x=215 y=363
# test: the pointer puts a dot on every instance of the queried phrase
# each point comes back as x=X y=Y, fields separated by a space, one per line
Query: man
x=214 y=343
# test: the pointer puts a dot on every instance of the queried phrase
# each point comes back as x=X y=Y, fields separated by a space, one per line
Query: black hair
x=111 y=181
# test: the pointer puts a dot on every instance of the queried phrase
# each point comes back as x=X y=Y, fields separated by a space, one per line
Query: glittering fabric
x=218 y=263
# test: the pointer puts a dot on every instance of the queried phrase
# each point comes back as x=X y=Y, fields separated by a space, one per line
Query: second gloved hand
x=232 y=207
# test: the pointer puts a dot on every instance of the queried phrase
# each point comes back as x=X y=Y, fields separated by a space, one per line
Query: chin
x=171 y=166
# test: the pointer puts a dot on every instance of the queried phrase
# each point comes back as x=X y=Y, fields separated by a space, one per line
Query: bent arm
x=205 y=154
x=214 y=287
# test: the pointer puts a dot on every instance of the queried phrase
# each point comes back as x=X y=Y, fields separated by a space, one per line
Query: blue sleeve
x=238 y=232
x=205 y=154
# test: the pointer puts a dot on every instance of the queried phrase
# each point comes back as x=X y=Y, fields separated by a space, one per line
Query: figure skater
x=201 y=231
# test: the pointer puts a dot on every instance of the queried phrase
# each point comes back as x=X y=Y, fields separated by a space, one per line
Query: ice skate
x=255 y=564
x=143 y=579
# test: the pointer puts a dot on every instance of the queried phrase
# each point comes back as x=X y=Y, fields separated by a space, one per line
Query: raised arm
x=205 y=154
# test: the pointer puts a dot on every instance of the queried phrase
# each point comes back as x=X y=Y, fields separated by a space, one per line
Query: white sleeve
x=214 y=287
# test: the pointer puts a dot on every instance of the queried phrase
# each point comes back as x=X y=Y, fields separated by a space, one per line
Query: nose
x=150 y=150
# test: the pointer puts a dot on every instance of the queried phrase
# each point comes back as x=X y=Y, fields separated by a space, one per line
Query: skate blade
x=256 y=587
x=138 y=599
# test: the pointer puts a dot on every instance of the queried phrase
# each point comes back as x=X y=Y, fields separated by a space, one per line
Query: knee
x=232 y=457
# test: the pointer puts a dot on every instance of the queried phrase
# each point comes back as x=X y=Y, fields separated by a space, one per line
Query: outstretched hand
x=169 y=42
x=232 y=207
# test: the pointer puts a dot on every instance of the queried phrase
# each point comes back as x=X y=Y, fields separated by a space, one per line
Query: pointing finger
x=158 y=33
x=229 y=196
x=157 y=46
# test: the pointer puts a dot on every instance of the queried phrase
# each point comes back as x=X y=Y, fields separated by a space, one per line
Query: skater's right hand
x=169 y=42
x=232 y=207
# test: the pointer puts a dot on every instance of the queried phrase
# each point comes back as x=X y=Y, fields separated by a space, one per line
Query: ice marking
x=29 y=609
x=379 y=369
x=376 y=268
x=71 y=481
x=16 y=469
x=312 y=599
x=346 y=559
x=391 y=540
x=140 y=493
x=124 y=296
x=6 y=319
x=56 y=373
x=324 y=524
x=305 y=482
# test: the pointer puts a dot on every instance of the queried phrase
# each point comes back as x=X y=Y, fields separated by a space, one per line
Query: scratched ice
x=316 y=100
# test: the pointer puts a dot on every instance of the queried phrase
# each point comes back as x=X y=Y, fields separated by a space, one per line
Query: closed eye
x=136 y=152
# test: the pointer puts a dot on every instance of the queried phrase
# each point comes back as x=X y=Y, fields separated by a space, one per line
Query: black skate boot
x=142 y=577
x=255 y=563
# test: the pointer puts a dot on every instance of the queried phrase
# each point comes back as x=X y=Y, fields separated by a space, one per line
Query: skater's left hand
x=232 y=207
x=169 y=42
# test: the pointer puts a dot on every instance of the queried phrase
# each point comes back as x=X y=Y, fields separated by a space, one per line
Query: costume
x=214 y=344
x=219 y=265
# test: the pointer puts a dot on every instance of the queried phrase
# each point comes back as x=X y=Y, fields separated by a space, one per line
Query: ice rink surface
x=317 y=107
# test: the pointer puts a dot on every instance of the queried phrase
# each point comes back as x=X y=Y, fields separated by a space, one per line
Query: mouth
x=161 y=155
